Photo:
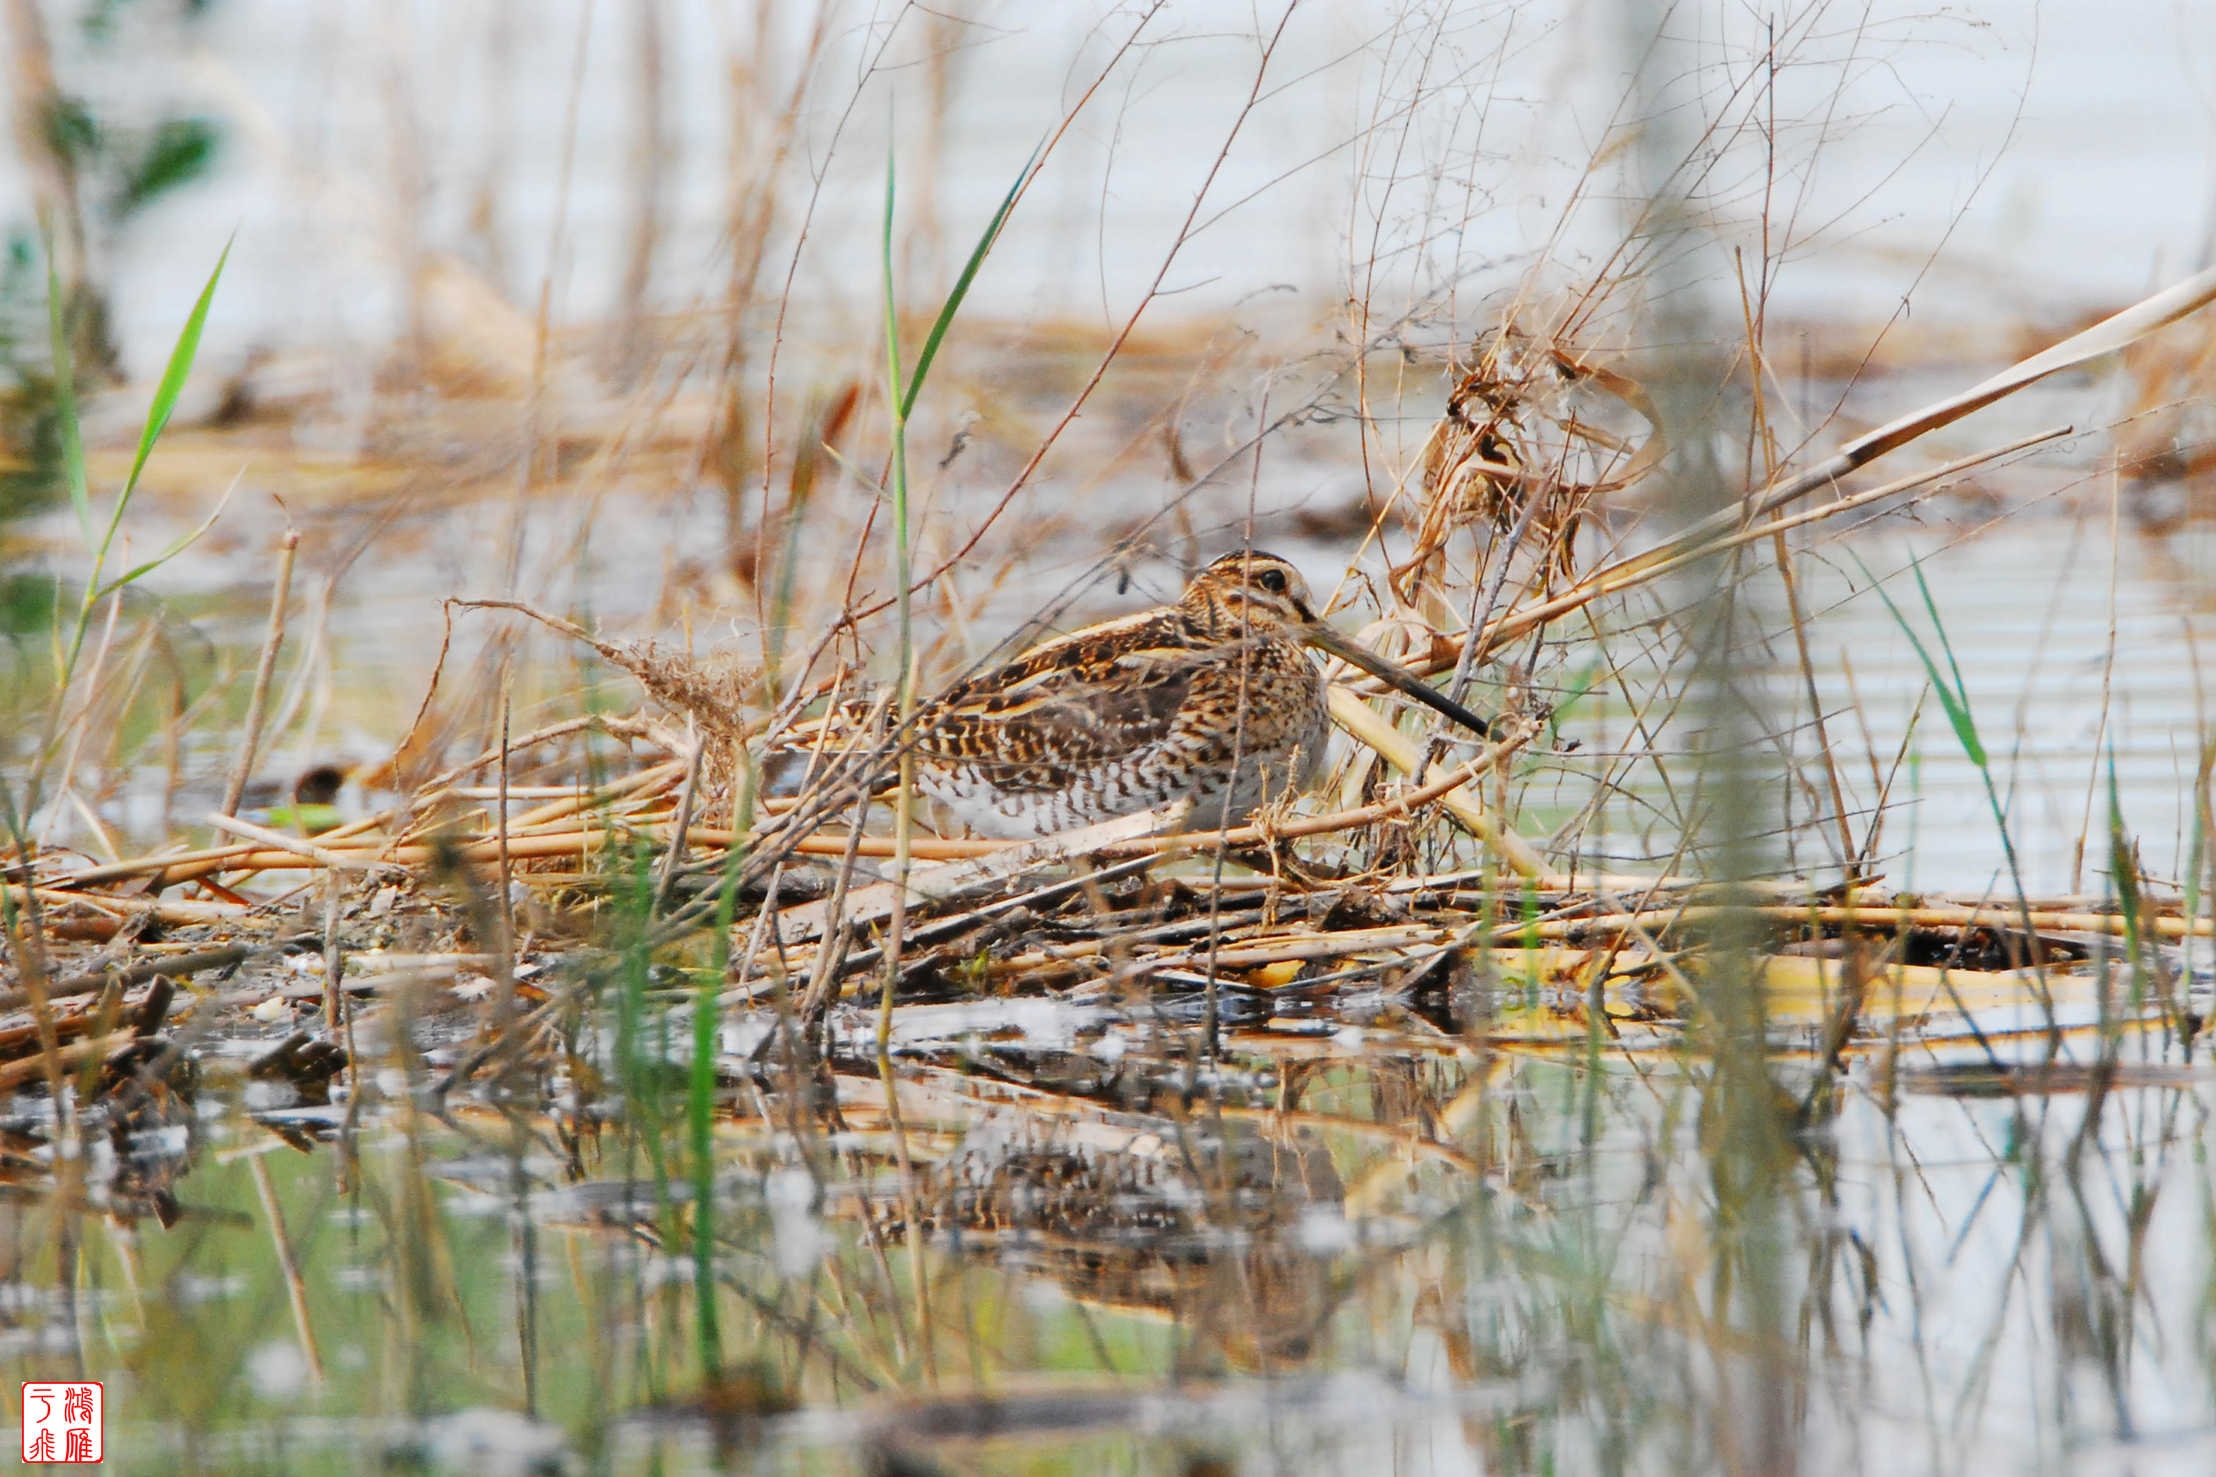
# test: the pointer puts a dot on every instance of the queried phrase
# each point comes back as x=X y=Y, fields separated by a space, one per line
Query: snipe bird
x=1215 y=699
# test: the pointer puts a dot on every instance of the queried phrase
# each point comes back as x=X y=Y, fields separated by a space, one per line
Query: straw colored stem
x=288 y=1263
x=14 y=1074
x=296 y=846
x=258 y=704
x=1833 y=916
x=1717 y=536
x=167 y=910
x=1358 y=718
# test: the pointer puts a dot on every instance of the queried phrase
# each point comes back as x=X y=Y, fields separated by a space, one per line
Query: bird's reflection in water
x=1207 y=1229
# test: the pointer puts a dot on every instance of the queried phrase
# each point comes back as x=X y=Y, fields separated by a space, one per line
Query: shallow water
x=1446 y=1260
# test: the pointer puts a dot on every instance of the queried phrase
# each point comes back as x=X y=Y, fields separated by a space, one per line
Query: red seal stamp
x=64 y=1421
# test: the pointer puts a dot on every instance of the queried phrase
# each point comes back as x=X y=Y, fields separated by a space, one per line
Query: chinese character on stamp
x=63 y=1421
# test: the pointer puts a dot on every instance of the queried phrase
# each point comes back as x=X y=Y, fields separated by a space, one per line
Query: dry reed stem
x=1716 y=536
x=1950 y=916
x=2115 y=332
x=194 y=866
x=172 y=868
x=1362 y=721
x=1247 y=941
x=309 y=850
x=166 y=910
x=288 y=1265
x=258 y=702
x=59 y=1059
x=1004 y=862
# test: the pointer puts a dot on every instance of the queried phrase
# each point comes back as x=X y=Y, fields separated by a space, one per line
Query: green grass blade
x=897 y=403
x=65 y=401
x=900 y=402
x=1953 y=698
x=184 y=542
x=953 y=303
x=1931 y=606
x=700 y=1100
x=1957 y=711
x=2123 y=876
x=165 y=394
x=157 y=419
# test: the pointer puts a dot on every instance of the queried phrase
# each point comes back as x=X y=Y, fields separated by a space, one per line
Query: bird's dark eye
x=1272 y=580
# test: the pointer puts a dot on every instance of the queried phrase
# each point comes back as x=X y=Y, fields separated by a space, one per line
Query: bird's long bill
x=1325 y=638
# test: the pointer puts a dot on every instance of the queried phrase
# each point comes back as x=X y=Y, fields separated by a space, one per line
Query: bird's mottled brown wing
x=1071 y=705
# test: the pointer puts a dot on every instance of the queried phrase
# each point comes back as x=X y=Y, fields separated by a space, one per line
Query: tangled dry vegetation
x=1403 y=911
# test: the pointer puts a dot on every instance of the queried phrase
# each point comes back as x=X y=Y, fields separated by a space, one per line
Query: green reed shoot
x=638 y=1064
x=901 y=392
x=166 y=393
x=100 y=541
x=2123 y=876
x=1954 y=699
x=900 y=399
x=700 y=1096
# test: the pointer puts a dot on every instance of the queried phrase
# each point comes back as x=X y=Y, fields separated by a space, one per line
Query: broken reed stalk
x=328 y=857
x=1358 y=718
x=172 y=868
x=505 y=1010
x=288 y=1264
x=1729 y=527
x=1706 y=541
x=1835 y=915
x=1255 y=943
x=258 y=703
